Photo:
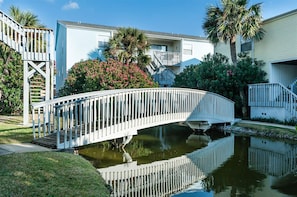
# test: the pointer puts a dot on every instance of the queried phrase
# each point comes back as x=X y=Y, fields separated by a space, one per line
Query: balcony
x=168 y=58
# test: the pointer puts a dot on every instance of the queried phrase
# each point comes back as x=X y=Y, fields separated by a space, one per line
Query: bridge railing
x=165 y=177
x=36 y=44
x=105 y=115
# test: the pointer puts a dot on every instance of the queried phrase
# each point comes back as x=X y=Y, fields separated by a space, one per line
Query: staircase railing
x=272 y=95
x=157 y=62
x=31 y=43
x=293 y=87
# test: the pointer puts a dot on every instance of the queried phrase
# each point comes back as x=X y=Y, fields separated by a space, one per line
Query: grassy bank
x=43 y=173
x=11 y=130
x=49 y=174
x=267 y=128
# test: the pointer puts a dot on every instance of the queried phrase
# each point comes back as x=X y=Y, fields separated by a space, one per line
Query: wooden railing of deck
x=36 y=44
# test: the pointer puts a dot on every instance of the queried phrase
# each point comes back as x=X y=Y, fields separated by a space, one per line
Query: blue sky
x=171 y=16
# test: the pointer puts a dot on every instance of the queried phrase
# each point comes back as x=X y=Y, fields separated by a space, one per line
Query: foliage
x=92 y=75
x=11 y=80
x=129 y=45
x=188 y=78
x=215 y=74
x=231 y=19
x=26 y=19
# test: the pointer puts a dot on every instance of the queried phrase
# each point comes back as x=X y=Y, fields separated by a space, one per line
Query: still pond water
x=171 y=160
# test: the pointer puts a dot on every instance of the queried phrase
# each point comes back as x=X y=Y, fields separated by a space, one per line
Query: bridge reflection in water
x=166 y=177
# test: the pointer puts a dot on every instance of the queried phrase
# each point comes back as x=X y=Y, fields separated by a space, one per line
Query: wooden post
x=26 y=94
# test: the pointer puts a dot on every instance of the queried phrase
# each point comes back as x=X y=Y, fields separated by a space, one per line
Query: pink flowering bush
x=92 y=75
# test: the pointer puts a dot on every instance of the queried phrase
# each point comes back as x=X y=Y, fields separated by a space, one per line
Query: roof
x=95 y=26
x=286 y=14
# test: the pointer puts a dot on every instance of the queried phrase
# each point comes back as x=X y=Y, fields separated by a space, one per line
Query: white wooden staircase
x=272 y=100
x=36 y=46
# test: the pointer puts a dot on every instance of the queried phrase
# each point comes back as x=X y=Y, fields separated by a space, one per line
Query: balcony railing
x=168 y=58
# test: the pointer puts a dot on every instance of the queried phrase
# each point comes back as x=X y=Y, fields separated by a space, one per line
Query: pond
x=172 y=160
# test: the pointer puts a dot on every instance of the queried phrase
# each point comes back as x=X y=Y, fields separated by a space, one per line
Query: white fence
x=272 y=95
x=162 y=178
x=104 y=115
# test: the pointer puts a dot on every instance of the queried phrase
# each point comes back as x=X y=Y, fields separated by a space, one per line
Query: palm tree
x=129 y=46
x=26 y=19
x=231 y=19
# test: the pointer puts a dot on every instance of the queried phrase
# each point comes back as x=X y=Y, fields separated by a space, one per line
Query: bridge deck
x=49 y=141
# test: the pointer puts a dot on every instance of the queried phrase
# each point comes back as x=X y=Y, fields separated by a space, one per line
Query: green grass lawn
x=44 y=173
x=11 y=130
x=49 y=174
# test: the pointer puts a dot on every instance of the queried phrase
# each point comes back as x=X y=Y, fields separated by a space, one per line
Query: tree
x=93 y=75
x=129 y=46
x=216 y=75
x=232 y=19
x=11 y=67
x=26 y=19
x=248 y=71
x=11 y=80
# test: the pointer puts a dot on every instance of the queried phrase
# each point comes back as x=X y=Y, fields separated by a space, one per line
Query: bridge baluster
x=104 y=115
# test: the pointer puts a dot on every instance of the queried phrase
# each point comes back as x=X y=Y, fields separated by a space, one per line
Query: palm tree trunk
x=233 y=50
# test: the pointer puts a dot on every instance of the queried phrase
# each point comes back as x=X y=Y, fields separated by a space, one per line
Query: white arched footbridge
x=92 y=117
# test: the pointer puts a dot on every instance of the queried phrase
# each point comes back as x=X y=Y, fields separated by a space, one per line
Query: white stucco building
x=170 y=53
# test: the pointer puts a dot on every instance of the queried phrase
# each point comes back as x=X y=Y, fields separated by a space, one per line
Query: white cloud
x=70 y=6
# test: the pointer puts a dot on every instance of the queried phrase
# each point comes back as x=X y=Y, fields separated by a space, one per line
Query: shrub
x=93 y=75
x=11 y=80
x=216 y=75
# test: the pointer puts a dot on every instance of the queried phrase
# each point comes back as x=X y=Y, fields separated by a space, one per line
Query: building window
x=102 y=44
x=246 y=45
x=157 y=47
x=188 y=50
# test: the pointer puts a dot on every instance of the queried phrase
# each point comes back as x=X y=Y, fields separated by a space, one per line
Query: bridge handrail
x=70 y=98
x=130 y=109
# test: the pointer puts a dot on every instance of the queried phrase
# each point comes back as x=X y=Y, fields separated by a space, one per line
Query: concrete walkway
x=266 y=124
x=21 y=148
